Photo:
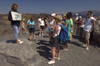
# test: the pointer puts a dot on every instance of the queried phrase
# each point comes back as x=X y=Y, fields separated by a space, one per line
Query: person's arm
x=66 y=24
x=71 y=23
x=9 y=16
x=28 y=23
x=93 y=22
x=51 y=25
x=55 y=30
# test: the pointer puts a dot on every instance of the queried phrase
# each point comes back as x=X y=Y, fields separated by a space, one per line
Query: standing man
x=89 y=26
x=75 y=26
x=39 y=20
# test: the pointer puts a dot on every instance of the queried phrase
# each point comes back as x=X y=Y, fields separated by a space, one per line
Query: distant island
x=95 y=13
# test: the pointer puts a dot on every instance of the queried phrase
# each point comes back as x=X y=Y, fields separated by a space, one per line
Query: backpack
x=63 y=36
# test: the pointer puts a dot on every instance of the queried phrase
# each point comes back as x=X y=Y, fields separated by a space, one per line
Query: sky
x=50 y=6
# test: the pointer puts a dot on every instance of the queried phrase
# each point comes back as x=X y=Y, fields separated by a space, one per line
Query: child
x=23 y=27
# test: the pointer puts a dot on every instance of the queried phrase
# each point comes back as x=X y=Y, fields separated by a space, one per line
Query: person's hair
x=68 y=16
x=31 y=19
x=57 y=20
x=70 y=13
x=12 y=6
x=90 y=12
x=50 y=18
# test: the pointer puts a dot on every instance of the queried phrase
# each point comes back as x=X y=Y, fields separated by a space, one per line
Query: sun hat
x=59 y=17
x=76 y=13
x=80 y=16
x=53 y=14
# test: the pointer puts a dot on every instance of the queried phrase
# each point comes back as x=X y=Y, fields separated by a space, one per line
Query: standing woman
x=15 y=24
x=55 y=43
x=31 y=26
x=68 y=25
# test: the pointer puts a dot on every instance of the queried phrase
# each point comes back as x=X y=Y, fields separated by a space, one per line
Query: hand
x=31 y=24
x=90 y=31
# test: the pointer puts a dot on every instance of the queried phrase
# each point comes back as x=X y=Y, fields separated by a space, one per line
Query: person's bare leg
x=34 y=36
x=87 y=44
x=58 y=52
x=66 y=46
x=20 y=31
x=30 y=37
x=53 y=53
x=40 y=31
x=26 y=31
x=17 y=41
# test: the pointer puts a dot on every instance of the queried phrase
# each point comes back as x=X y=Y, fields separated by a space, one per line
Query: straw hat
x=59 y=17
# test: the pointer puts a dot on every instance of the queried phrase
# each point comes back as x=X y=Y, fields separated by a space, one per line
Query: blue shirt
x=29 y=22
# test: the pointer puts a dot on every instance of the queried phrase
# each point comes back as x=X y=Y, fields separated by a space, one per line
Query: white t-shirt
x=42 y=23
x=88 y=24
x=39 y=19
x=76 y=18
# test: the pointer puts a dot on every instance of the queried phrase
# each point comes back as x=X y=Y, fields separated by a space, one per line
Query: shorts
x=55 y=42
x=42 y=27
x=31 y=30
x=86 y=35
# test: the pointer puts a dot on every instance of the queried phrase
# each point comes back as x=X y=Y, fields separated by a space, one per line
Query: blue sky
x=50 y=6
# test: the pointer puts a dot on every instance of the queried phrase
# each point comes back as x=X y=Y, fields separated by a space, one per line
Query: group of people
x=53 y=27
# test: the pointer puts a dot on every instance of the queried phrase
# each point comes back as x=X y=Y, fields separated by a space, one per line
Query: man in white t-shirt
x=42 y=27
x=89 y=26
x=39 y=20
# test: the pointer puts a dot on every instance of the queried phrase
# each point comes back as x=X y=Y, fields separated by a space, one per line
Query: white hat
x=76 y=13
x=53 y=14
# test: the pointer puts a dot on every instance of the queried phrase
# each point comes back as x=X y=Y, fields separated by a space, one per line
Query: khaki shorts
x=86 y=35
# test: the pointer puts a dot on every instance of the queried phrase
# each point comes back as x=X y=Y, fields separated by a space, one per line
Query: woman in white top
x=42 y=27
x=52 y=23
x=55 y=42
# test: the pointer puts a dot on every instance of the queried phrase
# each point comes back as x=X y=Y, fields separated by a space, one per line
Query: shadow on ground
x=44 y=49
x=11 y=41
x=92 y=43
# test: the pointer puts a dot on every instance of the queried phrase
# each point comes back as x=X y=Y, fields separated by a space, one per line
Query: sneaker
x=43 y=34
x=87 y=48
x=39 y=34
x=65 y=49
x=57 y=58
x=21 y=42
x=51 y=62
x=84 y=45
